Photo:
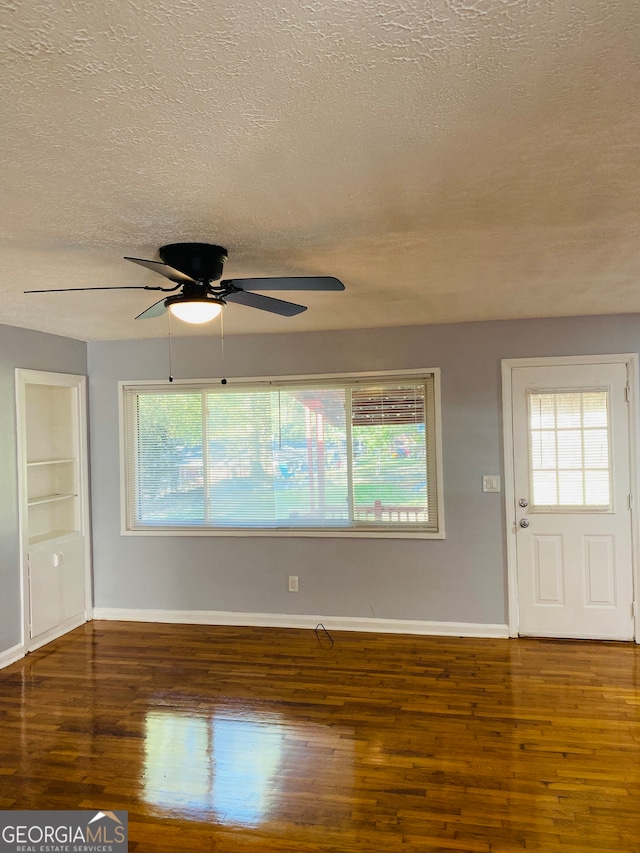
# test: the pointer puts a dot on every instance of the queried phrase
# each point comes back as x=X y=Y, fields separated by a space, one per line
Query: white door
x=572 y=500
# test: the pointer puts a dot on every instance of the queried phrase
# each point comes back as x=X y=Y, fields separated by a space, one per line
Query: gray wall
x=36 y=351
x=462 y=578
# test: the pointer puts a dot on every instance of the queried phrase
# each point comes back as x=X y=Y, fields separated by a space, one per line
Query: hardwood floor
x=246 y=739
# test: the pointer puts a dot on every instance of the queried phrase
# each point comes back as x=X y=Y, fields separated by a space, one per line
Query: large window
x=357 y=455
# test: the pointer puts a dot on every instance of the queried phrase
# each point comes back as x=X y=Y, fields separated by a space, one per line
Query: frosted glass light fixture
x=195 y=311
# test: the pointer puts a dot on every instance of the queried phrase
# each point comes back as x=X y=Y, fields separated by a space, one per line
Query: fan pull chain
x=223 y=381
x=170 y=365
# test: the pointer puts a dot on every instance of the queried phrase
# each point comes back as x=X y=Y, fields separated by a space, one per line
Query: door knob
x=523 y=502
x=524 y=522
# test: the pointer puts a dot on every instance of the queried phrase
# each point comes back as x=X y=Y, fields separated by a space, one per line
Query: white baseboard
x=11 y=655
x=284 y=620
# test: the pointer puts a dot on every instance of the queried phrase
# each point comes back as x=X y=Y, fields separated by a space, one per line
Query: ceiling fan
x=196 y=270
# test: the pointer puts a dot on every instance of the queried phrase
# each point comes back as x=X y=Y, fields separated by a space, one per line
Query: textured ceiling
x=447 y=159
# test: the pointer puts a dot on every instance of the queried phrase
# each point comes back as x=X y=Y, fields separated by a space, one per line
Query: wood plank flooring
x=246 y=739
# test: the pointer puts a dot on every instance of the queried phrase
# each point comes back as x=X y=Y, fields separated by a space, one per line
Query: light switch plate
x=490 y=483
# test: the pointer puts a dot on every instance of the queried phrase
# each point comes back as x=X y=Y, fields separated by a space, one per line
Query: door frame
x=507 y=366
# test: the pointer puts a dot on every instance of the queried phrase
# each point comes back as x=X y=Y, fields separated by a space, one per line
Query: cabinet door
x=56 y=575
x=72 y=592
x=45 y=591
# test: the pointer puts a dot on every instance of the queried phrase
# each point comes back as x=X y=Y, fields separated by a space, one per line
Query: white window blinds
x=569 y=448
x=327 y=455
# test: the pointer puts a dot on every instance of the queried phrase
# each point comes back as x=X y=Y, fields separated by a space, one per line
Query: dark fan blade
x=156 y=310
x=163 y=269
x=114 y=287
x=302 y=282
x=266 y=303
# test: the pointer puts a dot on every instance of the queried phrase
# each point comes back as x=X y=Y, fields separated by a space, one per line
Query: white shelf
x=47 y=499
x=49 y=462
x=50 y=536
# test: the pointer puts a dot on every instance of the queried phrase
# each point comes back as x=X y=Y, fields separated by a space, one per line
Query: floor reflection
x=177 y=761
x=246 y=756
x=232 y=770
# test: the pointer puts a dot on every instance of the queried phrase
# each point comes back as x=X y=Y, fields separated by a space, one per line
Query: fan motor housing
x=202 y=261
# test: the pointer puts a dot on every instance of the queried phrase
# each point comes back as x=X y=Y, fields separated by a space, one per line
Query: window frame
x=261 y=381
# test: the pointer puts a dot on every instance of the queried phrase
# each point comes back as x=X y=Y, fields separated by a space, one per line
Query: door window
x=569 y=449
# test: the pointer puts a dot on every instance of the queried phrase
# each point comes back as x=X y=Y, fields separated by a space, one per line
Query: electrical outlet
x=293 y=583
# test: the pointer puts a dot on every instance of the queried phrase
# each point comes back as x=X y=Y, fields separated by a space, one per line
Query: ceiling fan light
x=195 y=311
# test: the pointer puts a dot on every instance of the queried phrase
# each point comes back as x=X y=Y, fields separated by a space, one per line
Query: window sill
x=244 y=532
